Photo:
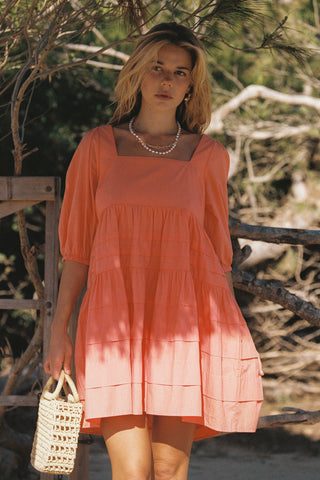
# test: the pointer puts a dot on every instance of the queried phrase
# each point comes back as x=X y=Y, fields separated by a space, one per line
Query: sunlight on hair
x=193 y=116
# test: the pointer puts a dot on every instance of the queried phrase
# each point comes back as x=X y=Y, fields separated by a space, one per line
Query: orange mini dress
x=159 y=330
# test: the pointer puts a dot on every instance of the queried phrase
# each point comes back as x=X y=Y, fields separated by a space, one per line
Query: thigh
x=128 y=442
x=171 y=446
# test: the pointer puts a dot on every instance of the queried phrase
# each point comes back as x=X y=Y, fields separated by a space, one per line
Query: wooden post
x=81 y=467
x=51 y=265
x=50 y=277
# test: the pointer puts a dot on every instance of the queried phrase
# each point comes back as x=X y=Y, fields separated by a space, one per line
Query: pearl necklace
x=172 y=146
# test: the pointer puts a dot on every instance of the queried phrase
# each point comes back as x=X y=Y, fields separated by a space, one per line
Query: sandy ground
x=290 y=453
x=275 y=456
x=235 y=464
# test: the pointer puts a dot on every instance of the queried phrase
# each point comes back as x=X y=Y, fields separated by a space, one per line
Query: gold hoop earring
x=187 y=97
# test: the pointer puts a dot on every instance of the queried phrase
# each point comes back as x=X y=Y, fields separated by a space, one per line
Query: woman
x=163 y=355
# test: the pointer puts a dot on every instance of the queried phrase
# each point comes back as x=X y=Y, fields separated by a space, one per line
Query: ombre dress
x=159 y=330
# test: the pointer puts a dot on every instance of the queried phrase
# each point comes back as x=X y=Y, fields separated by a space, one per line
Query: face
x=165 y=85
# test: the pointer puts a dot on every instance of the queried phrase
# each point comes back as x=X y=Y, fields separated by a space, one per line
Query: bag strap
x=54 y=395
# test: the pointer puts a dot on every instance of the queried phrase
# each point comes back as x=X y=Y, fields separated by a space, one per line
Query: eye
x=156 y=68
x=180 y=73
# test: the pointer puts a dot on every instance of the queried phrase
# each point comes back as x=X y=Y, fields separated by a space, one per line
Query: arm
x=73 y=278
x=77 y=226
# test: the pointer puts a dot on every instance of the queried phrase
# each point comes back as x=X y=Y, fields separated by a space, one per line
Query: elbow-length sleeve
x=78 y=218
x=216 y=204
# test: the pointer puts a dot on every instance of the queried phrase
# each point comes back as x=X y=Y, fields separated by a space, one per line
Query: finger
x=67 y=363
x=56 y=368
x=46 y=366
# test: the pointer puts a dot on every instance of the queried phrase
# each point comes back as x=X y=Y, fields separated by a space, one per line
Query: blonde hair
x=194 y=115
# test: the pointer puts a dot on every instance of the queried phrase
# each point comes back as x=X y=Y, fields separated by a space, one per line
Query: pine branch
x=275 y=41
x=133 y=13
x=234 y=12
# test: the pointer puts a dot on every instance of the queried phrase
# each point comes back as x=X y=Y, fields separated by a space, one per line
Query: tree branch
x=7 y=9
x=258 y=91
x=82 y=61
x=292 y=236
x=92 y=49
x=107 y=66
x=50 y=9
x=276 y=131
x=299 y=416
x=276 y=294
x=24 y=360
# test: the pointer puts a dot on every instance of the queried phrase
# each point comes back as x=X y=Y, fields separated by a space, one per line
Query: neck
x=157 y=123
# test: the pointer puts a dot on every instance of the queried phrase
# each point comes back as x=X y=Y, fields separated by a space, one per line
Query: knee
x=132 y=471
x=165 y=470
x=138 y=476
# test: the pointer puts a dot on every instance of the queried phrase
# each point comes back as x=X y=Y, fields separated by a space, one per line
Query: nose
x=167 y=78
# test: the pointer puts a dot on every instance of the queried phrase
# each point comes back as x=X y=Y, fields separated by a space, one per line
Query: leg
x=171 y=446
x=129 y=447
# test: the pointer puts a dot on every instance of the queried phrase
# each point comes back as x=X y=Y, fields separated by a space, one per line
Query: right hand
x=60 y=354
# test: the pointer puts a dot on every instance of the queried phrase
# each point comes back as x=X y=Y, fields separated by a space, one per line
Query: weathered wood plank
x=51 y=264
x=49 y=476
x=81 y=466
x=50 y=275
x=27 y=188
x=20 y=304
x=12 y=206
x=19 y=401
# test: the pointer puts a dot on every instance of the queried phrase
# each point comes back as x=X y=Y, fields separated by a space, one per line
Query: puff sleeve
x=78 y=218
x=216 y=204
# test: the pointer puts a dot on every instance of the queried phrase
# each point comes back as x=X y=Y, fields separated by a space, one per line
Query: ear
x=190 y=88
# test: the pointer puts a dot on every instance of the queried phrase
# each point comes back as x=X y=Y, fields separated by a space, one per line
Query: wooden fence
x=19 y=193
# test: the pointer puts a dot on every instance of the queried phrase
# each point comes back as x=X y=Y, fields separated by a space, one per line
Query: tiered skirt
x=159 y=330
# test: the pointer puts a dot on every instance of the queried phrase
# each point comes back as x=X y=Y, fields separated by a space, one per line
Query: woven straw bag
x=56 y=438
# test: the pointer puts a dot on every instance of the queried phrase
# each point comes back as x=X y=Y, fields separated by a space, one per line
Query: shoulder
x=218 y=157
x=95 y=134
x=93 y=142
x=215 y=145
x=88 y=151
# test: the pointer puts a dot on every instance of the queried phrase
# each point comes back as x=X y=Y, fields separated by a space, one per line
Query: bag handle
x=54 y=395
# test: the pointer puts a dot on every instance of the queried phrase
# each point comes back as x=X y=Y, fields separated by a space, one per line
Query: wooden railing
x=19 y=193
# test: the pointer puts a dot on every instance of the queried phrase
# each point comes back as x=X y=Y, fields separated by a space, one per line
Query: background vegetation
x=59 y=64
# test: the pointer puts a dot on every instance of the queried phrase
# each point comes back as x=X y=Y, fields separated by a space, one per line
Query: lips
x=164 y=95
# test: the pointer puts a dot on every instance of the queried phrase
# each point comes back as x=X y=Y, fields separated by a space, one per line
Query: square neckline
x=160 y=157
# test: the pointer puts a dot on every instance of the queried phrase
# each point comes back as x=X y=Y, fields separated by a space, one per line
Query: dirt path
x=237 y=466
x=275 y=456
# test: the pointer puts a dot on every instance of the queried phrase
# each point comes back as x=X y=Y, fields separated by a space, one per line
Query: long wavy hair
x=193 y=115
